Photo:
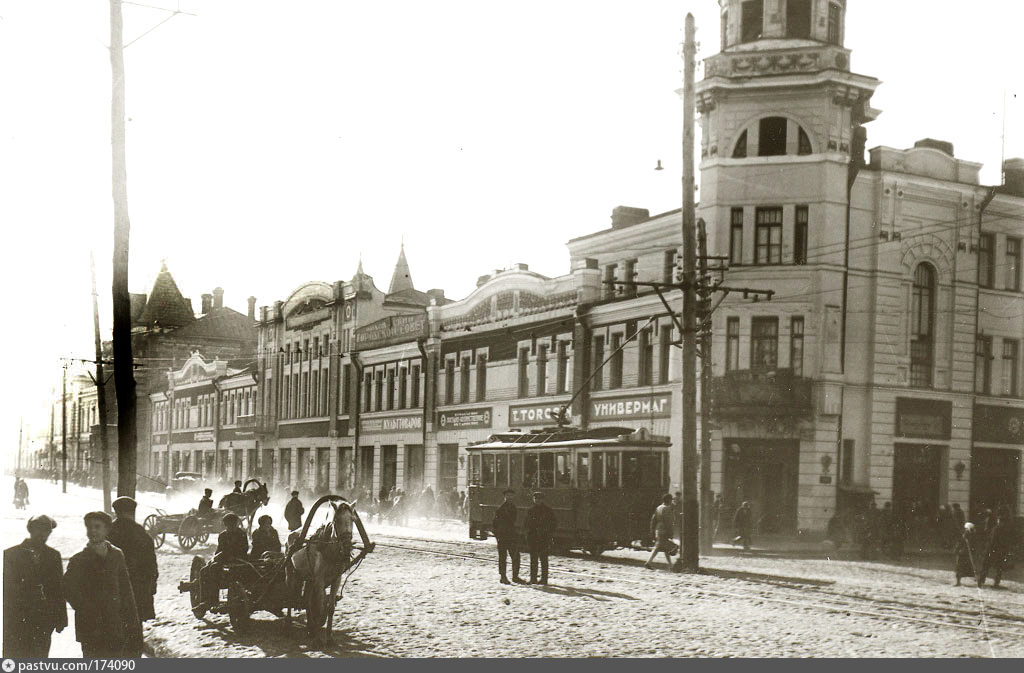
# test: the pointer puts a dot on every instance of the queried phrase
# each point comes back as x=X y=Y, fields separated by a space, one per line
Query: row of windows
x=768 y=235
x=1008 y=272
x=609 y=290
x=593 y=469
x=610 y=374
x=798 y=21
x=764 y=344
x=392 y=386
x=304 y=394
x=234 y=403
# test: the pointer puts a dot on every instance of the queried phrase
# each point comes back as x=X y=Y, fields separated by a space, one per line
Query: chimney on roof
x=207 y=303
x=932 y=143
x=624 y=216
x=218 y=297
x=437 y=295
x=252 y=308
x=1013 y=169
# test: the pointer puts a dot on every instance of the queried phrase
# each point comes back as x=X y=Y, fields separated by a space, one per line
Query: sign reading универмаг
x=631 y=407
x=391 y=330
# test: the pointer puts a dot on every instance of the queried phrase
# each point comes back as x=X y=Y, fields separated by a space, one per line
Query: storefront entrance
x=764 y=472
x=413 y=468
x=286 y=469
x=267 y=465
x=389 y=467
x=323 y=470
x=366 y=470
x=917 y=481
x=995 y=476
x=447 y=467
x=345 y=469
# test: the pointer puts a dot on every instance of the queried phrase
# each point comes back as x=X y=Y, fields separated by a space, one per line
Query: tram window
x=583 y=470
x=501 y=470
x=530 y=471
x=487 y=474
x=474 y=469
x=611 y=479
x=597 y=470
x=563 y=470
x=650 y=469
x=547 y=470
x=630 y=470
x=515 y=463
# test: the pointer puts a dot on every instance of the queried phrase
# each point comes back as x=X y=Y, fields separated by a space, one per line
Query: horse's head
x=343 y=521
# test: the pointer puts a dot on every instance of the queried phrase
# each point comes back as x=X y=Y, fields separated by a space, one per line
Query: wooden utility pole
x=101 y=388
x=124 y=377
x=706 y=525
x=64 y=429
x=689 y=537
x=53 y=446
x=21 y=431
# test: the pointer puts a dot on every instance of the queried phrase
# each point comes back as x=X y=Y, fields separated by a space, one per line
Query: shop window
x=764 y=343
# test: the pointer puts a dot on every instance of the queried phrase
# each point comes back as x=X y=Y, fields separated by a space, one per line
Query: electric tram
x=603 y=483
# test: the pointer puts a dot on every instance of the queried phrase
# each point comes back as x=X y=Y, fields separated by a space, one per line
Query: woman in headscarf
x=966 y=551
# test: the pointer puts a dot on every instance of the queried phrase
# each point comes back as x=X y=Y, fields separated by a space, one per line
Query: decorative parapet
x=777 y=62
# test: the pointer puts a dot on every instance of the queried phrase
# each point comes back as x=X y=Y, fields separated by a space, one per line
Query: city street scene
x=344 y=342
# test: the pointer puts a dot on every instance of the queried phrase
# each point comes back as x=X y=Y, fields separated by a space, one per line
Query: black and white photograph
x=479 y=329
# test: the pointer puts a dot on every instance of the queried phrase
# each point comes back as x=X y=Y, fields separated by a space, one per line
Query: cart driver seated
x=205 y=509
x=232 y=549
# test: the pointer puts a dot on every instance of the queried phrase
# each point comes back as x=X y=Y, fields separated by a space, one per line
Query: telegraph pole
x=706 y=524
x=53 y=445
x=21 y=430
x=101 y=391
x=64 y=429
x=689 y=537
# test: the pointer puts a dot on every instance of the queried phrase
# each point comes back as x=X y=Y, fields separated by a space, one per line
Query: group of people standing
x=540 y=526
x=109 y=584
x=984 y=551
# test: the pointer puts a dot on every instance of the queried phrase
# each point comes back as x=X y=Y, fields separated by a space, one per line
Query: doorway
x=366 y=469
x=448 y=467
x=389 y=467
x=323 y=470
x=765 y=473
x=413 y=468
x=995 y=479
x=916 y=481
x=285 y=469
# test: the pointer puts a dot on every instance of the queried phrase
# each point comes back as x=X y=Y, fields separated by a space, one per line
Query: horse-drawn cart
x=194 y=528
x=307 y=576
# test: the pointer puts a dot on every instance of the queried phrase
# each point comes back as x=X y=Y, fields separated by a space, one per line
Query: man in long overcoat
x=293 y=512
x=504 y=528
x=98 y=588
x=139 y=555
x=998 y=547
x=33 y=593
x=540 y=526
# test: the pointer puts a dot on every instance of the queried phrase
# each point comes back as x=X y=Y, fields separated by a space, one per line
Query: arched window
x=922 y=327
x=772 y=137
x=741 y=147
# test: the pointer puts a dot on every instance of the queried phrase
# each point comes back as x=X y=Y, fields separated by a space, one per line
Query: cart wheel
x=188 y=533
x=316 y=609
x=238 y=607
x=203 y=538
x=195 y=594
x=149 y=525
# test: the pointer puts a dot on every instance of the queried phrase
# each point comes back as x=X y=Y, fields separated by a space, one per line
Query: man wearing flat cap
x=139 y=555
x=540 y=526
x=205 y=508
x=504 y=528
x=98 y=588
x=33 y=593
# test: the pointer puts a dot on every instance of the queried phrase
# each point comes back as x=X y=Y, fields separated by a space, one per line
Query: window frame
x=801 y=222
x=1011 y=368
x=481 y=377
x=773 y=251
x=1011 y=264
x=986 y=249
x=736 y=216
x=542 y=370
x=523 y=372
x=756 y=341
x=922 y=327
x=834 y=23
x=597 y=353
x=983 y=352
x=808 y=6
x=768 y=128
x=615 y=376
x=747 y=21
x=796 y=345
x=732 y=344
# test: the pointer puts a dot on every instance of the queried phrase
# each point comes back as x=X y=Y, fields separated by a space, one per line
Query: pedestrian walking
x=540 y=526
x=293 y=512
x=965 y=552
x=742 y=523
x=33 y=593
x=662 y=529
x=504 y=529
x=139 y=555
x=265 y=538
x=99 y=590
x=997 y=548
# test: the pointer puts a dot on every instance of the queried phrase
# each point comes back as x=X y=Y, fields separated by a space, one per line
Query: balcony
x=761 y=394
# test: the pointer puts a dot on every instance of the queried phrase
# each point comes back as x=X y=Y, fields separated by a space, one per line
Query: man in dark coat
x=293 y=512
x=232 y=544
x=540 y=526
x=504 y=528
x=98 y=588
x=238 y=487
x=742 y=523
x=265 y=538
x=33 y=593
x=966 y=551
x=997 y=550
x=205 y=508
x=139 y=555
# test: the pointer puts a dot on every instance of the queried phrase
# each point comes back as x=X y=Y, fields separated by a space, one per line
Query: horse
x=320 y=564
x=246 y=503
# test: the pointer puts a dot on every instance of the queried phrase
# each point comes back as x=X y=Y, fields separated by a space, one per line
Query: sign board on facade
x=411 y=423
x=391 y=330
x=633 y=407
x=189 y=437
x=533 y=414
x=1000 y=425
x=312 y=312
x=923 y=419
x=295 y=430
x=464 y=419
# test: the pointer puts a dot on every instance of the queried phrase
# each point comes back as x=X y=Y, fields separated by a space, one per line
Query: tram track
x=984 y=620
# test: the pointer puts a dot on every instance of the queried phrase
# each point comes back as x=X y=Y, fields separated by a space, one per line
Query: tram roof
x=549 y=438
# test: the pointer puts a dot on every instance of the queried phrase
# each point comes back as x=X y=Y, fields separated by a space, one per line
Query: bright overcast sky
x=270 y=143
